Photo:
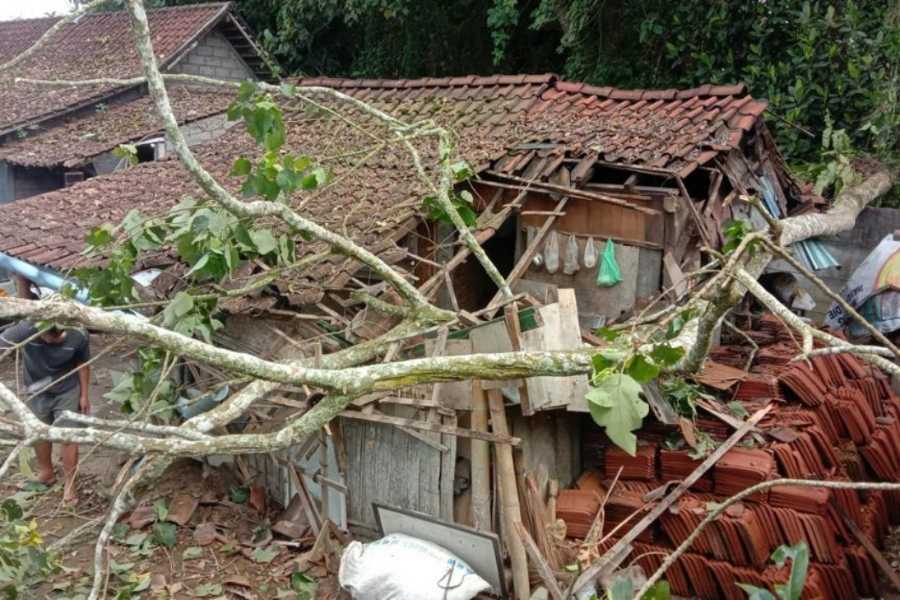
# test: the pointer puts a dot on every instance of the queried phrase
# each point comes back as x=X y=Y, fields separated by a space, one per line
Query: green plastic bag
x=608 y=273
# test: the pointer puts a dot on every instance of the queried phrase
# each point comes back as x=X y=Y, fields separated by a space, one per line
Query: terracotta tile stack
x=578 y=508
x=834 y=419
x=641 y=466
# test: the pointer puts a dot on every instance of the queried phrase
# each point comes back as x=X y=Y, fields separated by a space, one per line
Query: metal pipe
x=41 y=277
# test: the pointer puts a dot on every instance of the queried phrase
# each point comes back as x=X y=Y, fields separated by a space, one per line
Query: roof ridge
x=465 y=80
x=707 y=89
x=150 y=11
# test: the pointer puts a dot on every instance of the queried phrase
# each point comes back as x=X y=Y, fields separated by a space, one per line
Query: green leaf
x=607 y=334
x=241 y=168
x=755 y=593
x=136 y=539
x=239 y=495
x=666 y=355
x=461 y=171
x=165 y=534
x=246 y=90
x=615 y=404
x=264 y=555
x=799 y=557
x=641 y=369
x=11 y=510
x=192 y=553
x=305 y=587
x=100 y=236
x=737 y=409
x=659 y=591
x=263 y=240
x=601 y=363
x=621 y=589
x=160 y=509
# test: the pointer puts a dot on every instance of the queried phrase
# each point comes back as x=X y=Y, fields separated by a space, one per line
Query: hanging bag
x=608 y=274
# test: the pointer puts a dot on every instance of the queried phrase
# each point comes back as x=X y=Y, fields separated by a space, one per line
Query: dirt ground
x=225 y=549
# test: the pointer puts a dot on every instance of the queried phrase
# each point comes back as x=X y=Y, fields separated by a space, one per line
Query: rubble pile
x=835 y=418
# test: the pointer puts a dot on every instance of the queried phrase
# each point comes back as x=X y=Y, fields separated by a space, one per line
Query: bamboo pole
x=481 y=461
x=511 y=513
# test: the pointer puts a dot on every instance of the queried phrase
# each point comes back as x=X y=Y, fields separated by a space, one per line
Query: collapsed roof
x=531 y=125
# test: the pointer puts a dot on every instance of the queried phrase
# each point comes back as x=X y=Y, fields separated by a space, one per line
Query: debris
x=142 y=516
x=182 y=509
x=205 y=534
x=292 y=523
x=258 y=500
x=540 y=563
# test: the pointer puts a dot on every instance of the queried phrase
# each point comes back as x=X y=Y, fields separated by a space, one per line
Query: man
x=56 y=376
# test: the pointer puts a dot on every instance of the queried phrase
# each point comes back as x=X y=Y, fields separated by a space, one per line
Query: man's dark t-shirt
x=45 y=362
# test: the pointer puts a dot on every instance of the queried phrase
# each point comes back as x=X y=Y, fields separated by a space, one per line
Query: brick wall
x=214 y=57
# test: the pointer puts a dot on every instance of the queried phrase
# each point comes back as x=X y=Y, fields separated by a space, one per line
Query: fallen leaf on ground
x=205 y=534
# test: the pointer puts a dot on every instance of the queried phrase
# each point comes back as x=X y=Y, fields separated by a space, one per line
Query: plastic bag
x=551 y=252
x=590 y=253
x=608 y=274
x=401 y=567
x=571 y=264
x=530 y=234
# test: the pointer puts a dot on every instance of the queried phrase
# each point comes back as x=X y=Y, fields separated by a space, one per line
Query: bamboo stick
x=511 y=513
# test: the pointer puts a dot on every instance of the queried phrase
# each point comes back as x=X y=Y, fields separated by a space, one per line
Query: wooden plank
x=873 y=551
x=575 y=193
x=426 y=426
x=511 y=513
x=448 y=469
x=606 y=561
x=480 y=459
x=525 y=260
x=674 y=276
x=513 y=328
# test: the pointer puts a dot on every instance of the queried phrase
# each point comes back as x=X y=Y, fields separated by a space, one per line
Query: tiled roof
x=94 y=46
x=80 y=138
x=674 y=130
x=488 y=116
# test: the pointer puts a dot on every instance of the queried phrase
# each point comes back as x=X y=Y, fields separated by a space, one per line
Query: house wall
x=849 y=249
x=7 y=188
x=214 y=57
x=28 y=181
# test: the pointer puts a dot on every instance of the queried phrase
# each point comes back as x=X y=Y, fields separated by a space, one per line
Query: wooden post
x=511 y=513
x=481 y=461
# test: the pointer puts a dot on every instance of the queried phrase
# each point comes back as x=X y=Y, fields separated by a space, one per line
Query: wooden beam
x=606 y=561
x=873 y=551
x=513 y=327
x=570 y=191
x=698 y=220
x=427 y=426
x=511 y=512
x=528 y=253
x=481 y=461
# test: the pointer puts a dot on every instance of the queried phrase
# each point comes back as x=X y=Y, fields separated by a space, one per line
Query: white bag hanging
x=551 y=252
x=571 y=263
x=590 y=253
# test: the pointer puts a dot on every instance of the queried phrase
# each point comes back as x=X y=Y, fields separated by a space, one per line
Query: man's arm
x=82 y=358
x=84 y=378
x=16 y=334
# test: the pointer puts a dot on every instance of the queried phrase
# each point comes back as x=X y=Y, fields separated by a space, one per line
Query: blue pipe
x=40 y=277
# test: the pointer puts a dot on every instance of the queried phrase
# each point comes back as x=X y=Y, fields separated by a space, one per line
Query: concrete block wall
x=214 y=57
x=850 y=249
x=204 y=130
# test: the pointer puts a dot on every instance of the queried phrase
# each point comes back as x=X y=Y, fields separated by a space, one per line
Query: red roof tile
x=94 y=46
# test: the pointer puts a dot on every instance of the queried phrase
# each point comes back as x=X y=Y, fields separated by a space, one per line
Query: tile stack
x=835 y=418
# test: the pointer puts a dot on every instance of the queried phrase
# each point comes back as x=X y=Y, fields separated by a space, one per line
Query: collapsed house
x=564 y=172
